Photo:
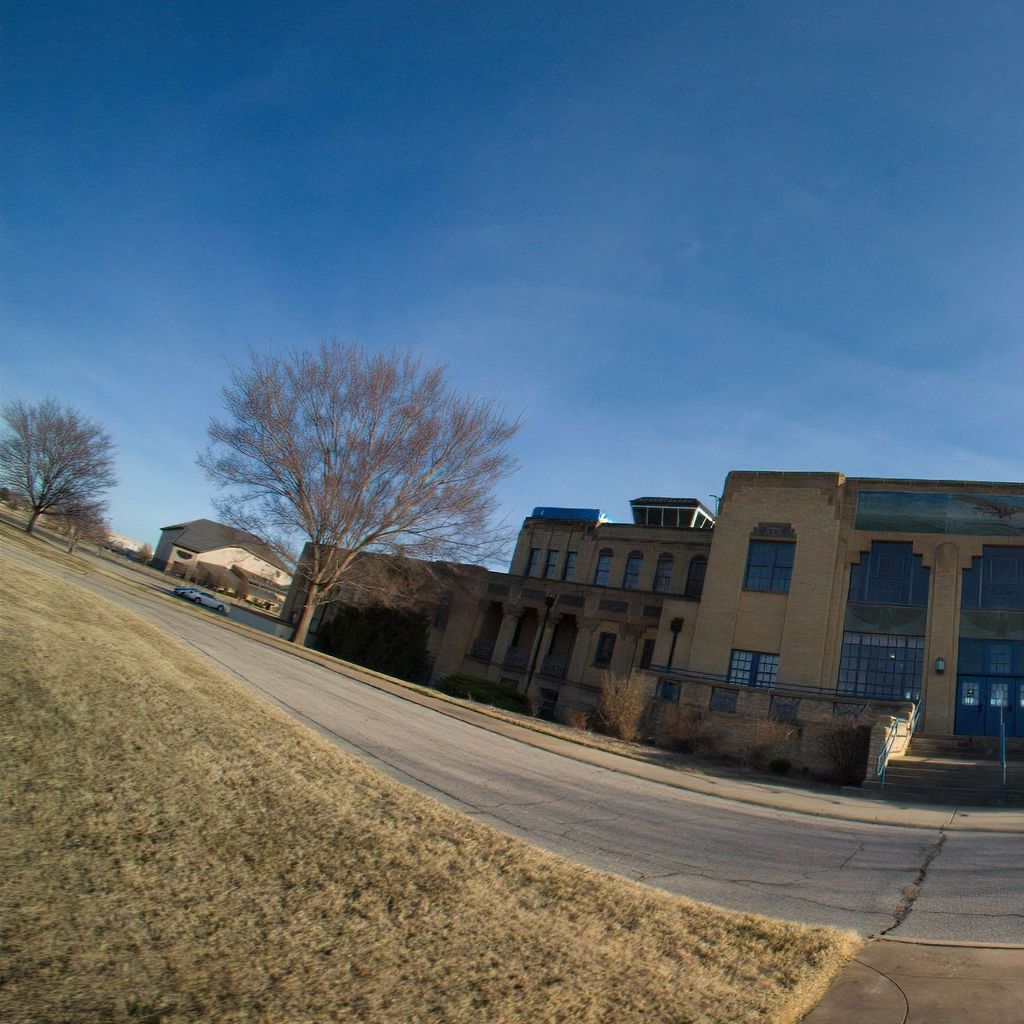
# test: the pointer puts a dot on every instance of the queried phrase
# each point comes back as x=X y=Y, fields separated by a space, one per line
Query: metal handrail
x=891 y=735
x=812 y=691
x=1002 y=744
x=915 y=718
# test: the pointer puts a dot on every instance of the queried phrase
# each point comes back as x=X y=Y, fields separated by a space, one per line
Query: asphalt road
x=771 y=862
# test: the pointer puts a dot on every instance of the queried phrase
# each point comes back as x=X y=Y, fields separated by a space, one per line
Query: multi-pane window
x=695 y=576
x=605 y=647
x=551 y=566
x=785 y=709
x=769 y=565
x=753 y=668
x=881 y=665
x=603 y=568
x=890 y=573
x=668 y=689
x=631 y=574
x=663 y=573
x=991 y=657
x=531 y=561
x=995 y=580
x=569 y=569
x=722 y=699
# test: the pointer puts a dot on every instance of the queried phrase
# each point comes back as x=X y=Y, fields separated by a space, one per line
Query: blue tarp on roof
x=590 y=515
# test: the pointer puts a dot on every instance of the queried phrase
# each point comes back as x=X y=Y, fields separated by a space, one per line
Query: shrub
x=577 y=718
x=621 y=709
x=844 y=748
x=694 y=734
x=771 y=741
x=484 y=691
x=385 y=639
x=780 y=765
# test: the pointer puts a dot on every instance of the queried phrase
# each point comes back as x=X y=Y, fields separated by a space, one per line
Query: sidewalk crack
x=913 y=890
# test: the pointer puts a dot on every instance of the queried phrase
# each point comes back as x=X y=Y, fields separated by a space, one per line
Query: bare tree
x=145 y=553
x=84 y=522
x=56 y=458
x=357 y=452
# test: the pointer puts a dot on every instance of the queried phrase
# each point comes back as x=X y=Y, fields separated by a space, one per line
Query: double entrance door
x=982 y=700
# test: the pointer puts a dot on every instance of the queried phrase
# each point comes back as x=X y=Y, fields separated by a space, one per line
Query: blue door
x=982 y=700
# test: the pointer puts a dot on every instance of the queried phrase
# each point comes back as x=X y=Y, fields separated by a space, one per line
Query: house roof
x=201 y=535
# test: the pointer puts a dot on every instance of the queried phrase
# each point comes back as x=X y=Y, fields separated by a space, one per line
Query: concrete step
x=962 y=778
x=937 y=795
x=975 y=747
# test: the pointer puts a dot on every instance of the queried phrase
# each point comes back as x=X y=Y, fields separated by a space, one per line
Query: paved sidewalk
x=908 y=983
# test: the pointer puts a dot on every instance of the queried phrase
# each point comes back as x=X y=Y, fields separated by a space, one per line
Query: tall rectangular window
x=531 y=562
x=769 y=565
x=647 y=654
x=663 y=573
x=551 y=566
x=603 y=568
x=753 y=668
x=605 y=647
x=631 y=575
x=569 y=569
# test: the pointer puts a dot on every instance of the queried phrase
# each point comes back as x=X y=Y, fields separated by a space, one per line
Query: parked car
x=203 y=598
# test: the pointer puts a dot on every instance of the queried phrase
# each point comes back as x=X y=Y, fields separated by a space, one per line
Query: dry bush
x=577 y=718
x=772 y=742
x=692 y=733
x=621 y=709
x=844 y=747
x=173 y=849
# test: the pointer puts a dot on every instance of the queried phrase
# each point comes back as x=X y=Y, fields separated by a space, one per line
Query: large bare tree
x=55 y=458
x=357 y=452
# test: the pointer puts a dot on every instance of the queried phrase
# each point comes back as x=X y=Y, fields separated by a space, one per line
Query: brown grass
x=172 y=849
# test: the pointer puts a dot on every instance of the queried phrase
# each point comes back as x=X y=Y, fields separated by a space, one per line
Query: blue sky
x=677 y=238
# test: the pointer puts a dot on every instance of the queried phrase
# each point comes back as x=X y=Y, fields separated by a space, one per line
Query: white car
x=203 y=598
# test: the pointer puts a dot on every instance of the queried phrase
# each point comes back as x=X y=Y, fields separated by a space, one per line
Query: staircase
x=961 y=770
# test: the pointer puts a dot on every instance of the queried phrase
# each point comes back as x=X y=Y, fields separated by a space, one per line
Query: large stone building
x=586 y=598
x=872 y=588
x=808 y=597
x=807 y=604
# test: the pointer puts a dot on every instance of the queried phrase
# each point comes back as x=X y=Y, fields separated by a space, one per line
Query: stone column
x=625 y=655
x=509 y=622
x=583 y=651
x=939 y=689
x=544 y=641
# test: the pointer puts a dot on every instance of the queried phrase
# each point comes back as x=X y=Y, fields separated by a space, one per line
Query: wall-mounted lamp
x=940 y=666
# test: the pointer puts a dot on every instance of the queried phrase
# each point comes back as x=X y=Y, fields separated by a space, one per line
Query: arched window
x=631 y=576
x=695 y=575
x=663 y=573
x=604 y=567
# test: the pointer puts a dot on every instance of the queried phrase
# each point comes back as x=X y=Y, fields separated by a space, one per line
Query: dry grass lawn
x=172 y=849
